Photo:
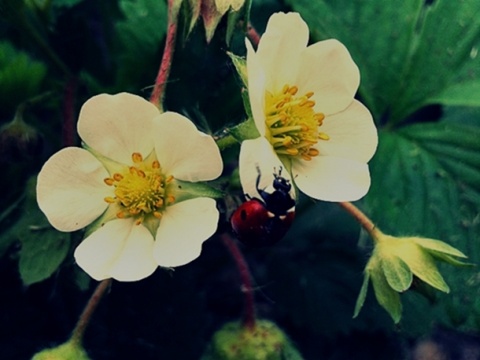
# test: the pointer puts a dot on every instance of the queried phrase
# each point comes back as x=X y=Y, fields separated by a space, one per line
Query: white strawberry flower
x=302 y=101
x=124 y=184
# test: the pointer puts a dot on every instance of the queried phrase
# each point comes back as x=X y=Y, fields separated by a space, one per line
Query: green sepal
x=110 y=165
x=244 y=131
x=450 y=259
x=423 y=266
x=362 y=295
x=397 y=272
x=185 y=190
x=68 y=351
x=388 y=298
x=240 y=64
x=438 y=247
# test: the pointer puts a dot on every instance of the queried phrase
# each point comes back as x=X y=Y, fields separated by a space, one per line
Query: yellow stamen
x=292 y=123
x=323 y=136
x=137 y=158
x=141 y=191
x=109 y=181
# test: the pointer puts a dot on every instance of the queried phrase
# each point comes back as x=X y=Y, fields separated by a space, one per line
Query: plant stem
x=68 y=128
x=164 y=71
x=253 y=35
x=363 y=219
x=246 y=279
x=84 y=319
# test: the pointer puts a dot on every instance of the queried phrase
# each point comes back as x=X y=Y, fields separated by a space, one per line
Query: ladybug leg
x=257 y=182
x=265 y=195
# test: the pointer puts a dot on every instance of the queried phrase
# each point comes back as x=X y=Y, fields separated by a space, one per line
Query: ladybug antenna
x=279 y=175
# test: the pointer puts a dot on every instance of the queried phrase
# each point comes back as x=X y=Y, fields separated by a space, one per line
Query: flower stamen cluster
x=292 y=123
x=141 y=190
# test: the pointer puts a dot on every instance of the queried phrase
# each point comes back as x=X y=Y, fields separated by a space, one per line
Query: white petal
x=120 y=250
x=352 y=133
x=183 y=229
x=256 y=88
x=332 y=179
x=70 y=189
x=328 y=70
x=118 y=125
x=285 y=37
x=185 y=152
x=259 y=153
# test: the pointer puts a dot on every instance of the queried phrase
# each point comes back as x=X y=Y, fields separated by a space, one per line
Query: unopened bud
x=18 y=140
x=67 y=351
x=265 y=341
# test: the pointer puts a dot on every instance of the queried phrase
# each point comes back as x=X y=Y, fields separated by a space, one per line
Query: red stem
x=68 y=127
x=363 y=219
x=247 y=288
x=253 y=35
x=164 y=71
x=84 y=319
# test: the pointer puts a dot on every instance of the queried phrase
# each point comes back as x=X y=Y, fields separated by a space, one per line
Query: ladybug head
x=280 y=183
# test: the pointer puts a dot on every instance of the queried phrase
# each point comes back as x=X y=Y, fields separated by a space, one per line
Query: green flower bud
x=68 y=351
x=212 y=12
x=396 y=261
x=264 y=342
x=18 y=140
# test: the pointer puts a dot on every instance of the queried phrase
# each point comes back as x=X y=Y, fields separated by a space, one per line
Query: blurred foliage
x=420 y=73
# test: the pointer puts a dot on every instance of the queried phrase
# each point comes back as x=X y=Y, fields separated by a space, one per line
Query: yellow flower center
x=140 y=190
x=292 y=123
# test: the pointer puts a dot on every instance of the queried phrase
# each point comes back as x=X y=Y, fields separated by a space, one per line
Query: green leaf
x=397 y=273
x=464 y=89
x=43 y=248
x=20 y=76
x=460 y=94
x=448 y=33
x=66 y=3
x=43 y=251
x=140 y=41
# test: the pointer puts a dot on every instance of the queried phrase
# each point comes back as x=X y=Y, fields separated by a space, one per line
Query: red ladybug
x=263 y=222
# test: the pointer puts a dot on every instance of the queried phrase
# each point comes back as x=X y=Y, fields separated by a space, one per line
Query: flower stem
x=253 y=35
x=246 y=279
x=363 y=219
x=84 y=319
x=164 y=71
x=68 y=129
